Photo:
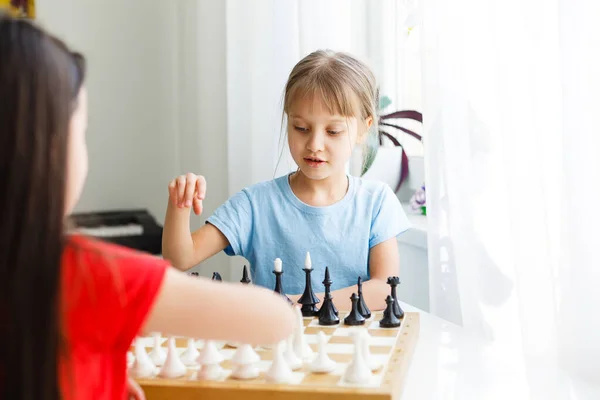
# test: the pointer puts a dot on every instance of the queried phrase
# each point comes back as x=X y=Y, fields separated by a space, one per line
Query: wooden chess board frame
x=321 y=386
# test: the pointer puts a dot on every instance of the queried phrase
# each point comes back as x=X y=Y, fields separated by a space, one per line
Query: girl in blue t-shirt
x=318 y=216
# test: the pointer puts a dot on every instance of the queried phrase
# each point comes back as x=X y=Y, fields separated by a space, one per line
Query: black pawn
x=328 y=315
x=245 y=278
x=308 y=299
x=354 y=318
x=216 y=276
x=394 y=281
x=389 y=319
x=279 y=287
x=362 y=306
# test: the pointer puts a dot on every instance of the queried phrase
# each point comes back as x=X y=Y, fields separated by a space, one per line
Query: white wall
x=203 y=110
x=144 y=109
x=132 y=133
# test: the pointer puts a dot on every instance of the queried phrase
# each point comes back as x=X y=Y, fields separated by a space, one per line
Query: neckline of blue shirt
x=284 y=184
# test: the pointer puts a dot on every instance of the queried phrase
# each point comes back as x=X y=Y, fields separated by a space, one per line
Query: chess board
x=392 y=347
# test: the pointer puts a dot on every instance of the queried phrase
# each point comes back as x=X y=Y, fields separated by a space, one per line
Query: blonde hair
x=346 y=85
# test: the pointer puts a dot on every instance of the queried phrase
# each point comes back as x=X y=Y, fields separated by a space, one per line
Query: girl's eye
x=333 y=132
x=300 y=129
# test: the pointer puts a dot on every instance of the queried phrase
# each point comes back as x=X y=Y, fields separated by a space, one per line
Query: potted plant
x=387 y=124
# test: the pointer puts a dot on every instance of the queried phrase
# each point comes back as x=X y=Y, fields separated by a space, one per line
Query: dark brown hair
x=40 y=79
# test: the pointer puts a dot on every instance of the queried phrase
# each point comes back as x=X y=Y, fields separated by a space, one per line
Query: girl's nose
x=315 y=142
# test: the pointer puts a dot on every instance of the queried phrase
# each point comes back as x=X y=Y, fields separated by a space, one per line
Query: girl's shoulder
x=268 y=185
x=91 y=248
x=370 y=187
x=92 y=260
x=263 y=190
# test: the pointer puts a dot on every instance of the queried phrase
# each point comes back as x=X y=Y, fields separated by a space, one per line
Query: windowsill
x=417 y=234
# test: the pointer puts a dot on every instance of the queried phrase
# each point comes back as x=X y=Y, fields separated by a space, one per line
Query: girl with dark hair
x=70 y=307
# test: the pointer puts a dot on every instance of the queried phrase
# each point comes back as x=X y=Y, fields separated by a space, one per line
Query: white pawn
x=358 y=372
x=142 y=367
x=245 y=359
x=158 y=355
x=301 y=347
x=189 y=356
x=173 y=366
x=292 y=359
x=209 y=359
x=322 y=364
x=280 y=371
x=373 y=364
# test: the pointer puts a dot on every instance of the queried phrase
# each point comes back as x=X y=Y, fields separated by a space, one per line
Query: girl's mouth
x=313 y=162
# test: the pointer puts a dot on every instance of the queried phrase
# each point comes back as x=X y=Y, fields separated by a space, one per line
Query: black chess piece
x=245 y=277
x=279 y=287
x=327 y=283
x=328 y=314
x=362 y=305
x=389 y=319
x=216 y=276
x=308 y=299
x=354 y=318
x=394 y=281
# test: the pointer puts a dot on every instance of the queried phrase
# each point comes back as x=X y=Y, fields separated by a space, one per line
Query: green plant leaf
x=371 y=147
x=384 y=102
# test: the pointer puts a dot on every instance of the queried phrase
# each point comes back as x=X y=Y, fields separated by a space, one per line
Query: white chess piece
x=173 y=366
x=210 y=359
x=158 y=355
x=279 y=371
x=278 y=265
x=189 y=356
x=142 y=367
x=292 y=359
x=373 y=364
x=322 y=364
x=301 y=347
x=357 y=372
x=307 y=261
x=245 y=359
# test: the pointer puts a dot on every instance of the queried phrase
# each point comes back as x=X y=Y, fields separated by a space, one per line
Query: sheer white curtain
x=510 y=95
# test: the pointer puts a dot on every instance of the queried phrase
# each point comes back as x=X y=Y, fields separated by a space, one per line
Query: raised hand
x=188 y=191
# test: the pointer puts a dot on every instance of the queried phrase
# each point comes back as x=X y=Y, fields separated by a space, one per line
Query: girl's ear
x=362 y=136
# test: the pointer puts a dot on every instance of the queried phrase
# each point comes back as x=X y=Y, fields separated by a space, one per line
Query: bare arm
x=384 y=262
x=201 y=308
x=180 y=246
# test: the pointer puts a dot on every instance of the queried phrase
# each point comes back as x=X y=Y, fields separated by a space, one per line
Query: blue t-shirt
x=267 y=221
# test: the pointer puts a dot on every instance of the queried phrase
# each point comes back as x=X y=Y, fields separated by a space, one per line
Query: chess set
x=329 y=356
